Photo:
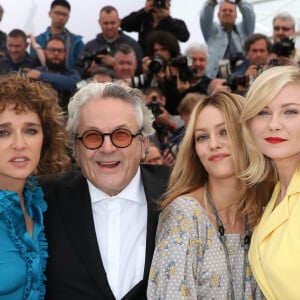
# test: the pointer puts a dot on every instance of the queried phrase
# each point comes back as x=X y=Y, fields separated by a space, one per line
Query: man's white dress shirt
x=121 y=228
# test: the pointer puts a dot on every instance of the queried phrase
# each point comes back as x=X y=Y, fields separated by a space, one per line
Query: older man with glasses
x=102 y=218
x=284 y=51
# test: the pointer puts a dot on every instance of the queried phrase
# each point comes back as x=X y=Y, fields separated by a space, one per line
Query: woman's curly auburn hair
x=25 y=94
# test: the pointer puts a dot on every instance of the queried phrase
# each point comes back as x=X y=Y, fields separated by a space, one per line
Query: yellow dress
x=274 y=253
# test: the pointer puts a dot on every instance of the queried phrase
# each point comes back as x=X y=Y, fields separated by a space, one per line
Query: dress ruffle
x=35 y=247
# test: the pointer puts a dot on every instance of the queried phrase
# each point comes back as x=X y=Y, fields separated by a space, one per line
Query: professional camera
x=234 y=81
x=181 y=61
x=286 y=47
x=183 y=64
x=160 y=3
x=154 y=106
x=157 y=64
x=88 y=57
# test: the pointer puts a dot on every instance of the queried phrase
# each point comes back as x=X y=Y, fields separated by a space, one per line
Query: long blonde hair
x=188 y=173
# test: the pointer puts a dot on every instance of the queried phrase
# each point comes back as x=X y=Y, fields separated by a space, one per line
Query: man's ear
x=145 y=145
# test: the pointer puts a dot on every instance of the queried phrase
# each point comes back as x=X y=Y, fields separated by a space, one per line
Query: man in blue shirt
x=62 y=79
x=225 y=40
x=59 y=15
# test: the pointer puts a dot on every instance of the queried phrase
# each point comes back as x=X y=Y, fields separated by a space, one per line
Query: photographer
x=173 y=73
x=258 y=50
x=225 y=40
x=164 y=123
x=283 y=51
x=154 y=16
x=197 y=61
x=161 y=47
x=111 y=37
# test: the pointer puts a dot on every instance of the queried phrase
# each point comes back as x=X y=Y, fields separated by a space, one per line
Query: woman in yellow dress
x=271 y=120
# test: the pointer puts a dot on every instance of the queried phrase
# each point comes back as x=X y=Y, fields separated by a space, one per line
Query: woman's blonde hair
x=189 y=174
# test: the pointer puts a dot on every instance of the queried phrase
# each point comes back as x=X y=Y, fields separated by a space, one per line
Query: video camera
x=160 y=3
x=286 y=47
x=154 y=106
x=157 y=64
x=88 y=57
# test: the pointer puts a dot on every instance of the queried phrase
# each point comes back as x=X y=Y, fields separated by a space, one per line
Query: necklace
x=222 y=238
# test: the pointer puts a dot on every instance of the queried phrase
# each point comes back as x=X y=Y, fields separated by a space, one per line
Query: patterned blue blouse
x=22 y=257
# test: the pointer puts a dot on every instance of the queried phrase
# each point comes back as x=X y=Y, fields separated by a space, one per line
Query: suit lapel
x=153 y=189
x=77 y=216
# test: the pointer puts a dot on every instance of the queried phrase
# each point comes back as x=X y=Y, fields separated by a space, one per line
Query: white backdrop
x=32 y=15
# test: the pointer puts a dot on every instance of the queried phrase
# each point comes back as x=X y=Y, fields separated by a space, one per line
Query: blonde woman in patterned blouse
x=204 y=229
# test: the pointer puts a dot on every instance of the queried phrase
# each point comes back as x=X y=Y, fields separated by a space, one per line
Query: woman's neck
x=13 y=185
x=224 y=193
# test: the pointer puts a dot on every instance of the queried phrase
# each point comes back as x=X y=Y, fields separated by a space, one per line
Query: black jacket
x=75 y=270
x=142 y=22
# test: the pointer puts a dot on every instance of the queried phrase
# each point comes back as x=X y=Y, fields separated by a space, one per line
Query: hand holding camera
x=283 y=52
x=159 y=8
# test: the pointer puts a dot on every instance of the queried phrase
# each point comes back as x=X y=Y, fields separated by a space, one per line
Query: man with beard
x=59 y=15
x=62 y=79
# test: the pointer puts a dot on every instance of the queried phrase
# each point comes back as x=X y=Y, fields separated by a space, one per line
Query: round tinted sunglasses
x=120 y=138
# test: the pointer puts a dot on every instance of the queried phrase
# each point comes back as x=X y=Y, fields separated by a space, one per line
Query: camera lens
x=157 y=64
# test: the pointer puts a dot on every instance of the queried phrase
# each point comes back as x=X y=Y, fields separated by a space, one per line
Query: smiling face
x=109 y=23
x=227 y=13
x=276 y=129
x=16 y=47
x=109 y=168
x=199 y=63
x=21 y=140
x=282 y=28
x=212 y=144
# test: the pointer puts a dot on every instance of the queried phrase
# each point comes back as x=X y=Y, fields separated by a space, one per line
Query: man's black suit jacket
x=75 y=269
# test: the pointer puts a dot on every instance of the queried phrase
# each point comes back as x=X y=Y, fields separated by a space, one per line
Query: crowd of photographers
x=231 y=58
